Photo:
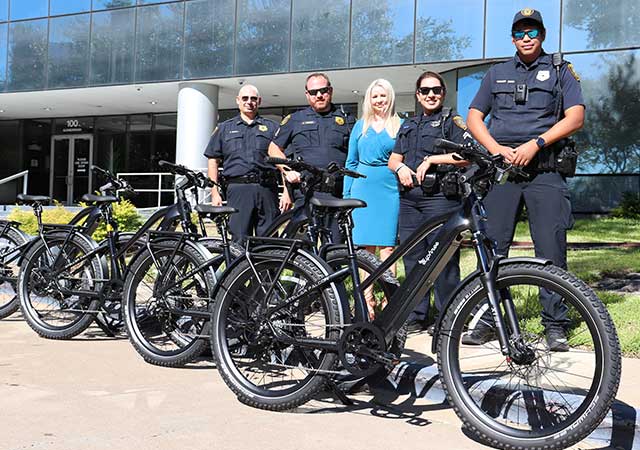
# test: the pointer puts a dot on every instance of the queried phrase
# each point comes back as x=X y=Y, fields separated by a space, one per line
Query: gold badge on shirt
x=339 y=120
x=263 y=127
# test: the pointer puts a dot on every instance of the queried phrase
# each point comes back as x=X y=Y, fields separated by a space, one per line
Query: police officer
x=413 y=156
x=535 y=101
x=241 y=145
x=319 y=134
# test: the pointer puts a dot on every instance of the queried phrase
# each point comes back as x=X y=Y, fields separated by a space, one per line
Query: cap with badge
x=528 y=14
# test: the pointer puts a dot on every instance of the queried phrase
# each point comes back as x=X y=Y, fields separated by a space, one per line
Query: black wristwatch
x=540 y=142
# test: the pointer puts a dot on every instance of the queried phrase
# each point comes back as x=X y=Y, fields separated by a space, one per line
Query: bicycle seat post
x=37 y=210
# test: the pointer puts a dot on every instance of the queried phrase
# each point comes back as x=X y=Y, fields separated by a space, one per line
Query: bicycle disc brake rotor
x=356 y=346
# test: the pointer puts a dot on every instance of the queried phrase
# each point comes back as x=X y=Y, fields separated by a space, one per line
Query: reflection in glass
x=107 y=4
x=444 y=33
x=208 y=36
x=381 y=32
x=27 y=55
x=262 y=36
x=159 y=42
x=69 y=6
x=500 y=17
x=320 y=35
x=69 y=51
x=469 y=80
x=589 y=24
x=610 y=139
x=4 y=10
x=112 y=43
x=4 y=28
x=28 y=9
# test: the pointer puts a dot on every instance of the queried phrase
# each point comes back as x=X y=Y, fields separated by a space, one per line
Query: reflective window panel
x=444 y=33
x=262 y=44
x=27 y=55
x=610 y=139
x=469 y=80
x=4 y=10
x=68 y=6
x=320 y=36
x=107 y=4
x=28 y=9
x=148 y=2
x=591 y=24
x=500 y=18
x=159 y=42
x=4 y=28
x=381 y=32
x=69 y=51
x=112 y=42
x=208 y=36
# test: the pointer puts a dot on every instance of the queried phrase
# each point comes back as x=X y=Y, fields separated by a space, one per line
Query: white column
x=197 y=117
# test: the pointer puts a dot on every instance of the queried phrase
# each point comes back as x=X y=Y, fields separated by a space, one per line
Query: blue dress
x=377 y=224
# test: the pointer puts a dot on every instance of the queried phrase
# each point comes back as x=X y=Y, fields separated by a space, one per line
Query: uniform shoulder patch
x=215 y=130
x=573 y=71
x=286 y=119
x=459 y=121
x=339 y=120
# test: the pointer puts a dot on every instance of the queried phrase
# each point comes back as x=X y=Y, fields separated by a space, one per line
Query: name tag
x=308 y=122
x=505 y=81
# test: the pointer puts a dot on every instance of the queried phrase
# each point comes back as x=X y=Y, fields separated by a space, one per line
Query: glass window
x=381 y=32
x=4 y=28
x=108 y=4
x=69 y=51
x=111 y=143
x=444 y=33
x=159 y=42
x=263 y=36
x=27 y=55
x=37 y=151
x=589 y=24
x=166 y=121
x=4 y=10
x=112 y=42
x=69 y=6
x=28 y=9
x=147 y=2
x=610 y=139
x=469 y=80
x=320 y=38
x=500 y=18
x=208 y=36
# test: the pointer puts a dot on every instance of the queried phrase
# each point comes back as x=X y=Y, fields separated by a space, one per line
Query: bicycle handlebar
x=113 y=182
x=194 y=178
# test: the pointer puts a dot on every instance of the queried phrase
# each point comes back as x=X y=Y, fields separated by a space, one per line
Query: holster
x=561 y=157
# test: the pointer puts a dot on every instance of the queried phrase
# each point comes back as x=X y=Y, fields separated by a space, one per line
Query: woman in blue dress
x=370 y=145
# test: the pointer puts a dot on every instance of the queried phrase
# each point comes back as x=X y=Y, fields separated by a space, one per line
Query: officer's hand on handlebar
x=292 y=176
x=422 y=170
x=406 y=175
x=507 y=153
x=523 y=154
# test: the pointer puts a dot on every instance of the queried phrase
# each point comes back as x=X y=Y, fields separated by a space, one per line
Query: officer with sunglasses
x=241 y=144
x=535 y=102
x=319 y=134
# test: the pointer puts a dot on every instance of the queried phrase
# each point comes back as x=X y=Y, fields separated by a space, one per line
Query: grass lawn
x=593 y=230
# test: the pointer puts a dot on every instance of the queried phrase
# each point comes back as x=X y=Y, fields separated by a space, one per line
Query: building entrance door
x=71 y=160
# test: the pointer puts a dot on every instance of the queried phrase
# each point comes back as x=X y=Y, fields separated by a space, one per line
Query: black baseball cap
x=529 y=14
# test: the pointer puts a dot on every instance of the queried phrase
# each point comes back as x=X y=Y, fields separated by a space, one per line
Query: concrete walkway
x=97 y=393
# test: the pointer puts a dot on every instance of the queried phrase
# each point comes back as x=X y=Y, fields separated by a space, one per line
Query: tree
x=436 y=41
x=608 y=24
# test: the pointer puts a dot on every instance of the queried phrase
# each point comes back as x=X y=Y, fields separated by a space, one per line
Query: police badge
x=542 y=75
x=339 y=120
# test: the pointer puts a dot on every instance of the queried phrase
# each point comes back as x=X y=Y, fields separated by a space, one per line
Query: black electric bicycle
x=280 y=324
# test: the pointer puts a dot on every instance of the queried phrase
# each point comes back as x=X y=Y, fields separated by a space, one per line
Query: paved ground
x=96 y=393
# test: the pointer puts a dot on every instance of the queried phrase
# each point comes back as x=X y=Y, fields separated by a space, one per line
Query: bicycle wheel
x=255 y=350
x=9 y=268
x=59 y=286
x=543 y=399
x=160 y=290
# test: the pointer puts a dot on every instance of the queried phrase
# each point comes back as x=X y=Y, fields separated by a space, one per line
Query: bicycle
x=280 y=324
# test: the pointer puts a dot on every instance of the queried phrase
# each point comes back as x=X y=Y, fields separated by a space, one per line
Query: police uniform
x=252 y=184
x=515 y=121
x=319 y=139
x=415 y=141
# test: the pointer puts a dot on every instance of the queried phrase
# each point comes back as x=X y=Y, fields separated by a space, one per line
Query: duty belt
x=253 y=178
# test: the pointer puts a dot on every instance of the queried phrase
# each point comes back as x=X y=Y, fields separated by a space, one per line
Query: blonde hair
x=392 y=120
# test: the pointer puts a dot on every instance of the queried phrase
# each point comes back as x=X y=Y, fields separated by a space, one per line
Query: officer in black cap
x=319 y=134
x=413 y=156
x=241 y=145
x=535 y=102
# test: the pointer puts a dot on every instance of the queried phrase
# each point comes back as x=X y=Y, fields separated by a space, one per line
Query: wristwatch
x=540 y=142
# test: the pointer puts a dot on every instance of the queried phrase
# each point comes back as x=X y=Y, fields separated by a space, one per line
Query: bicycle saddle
x=92 y=198
x=337 y=203
x=215 y=210
x=25 y=199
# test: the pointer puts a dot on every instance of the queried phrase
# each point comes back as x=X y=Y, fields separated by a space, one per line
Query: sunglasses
x=322 y=91
x=437 y=90
x=517 y=35
x=246 y=98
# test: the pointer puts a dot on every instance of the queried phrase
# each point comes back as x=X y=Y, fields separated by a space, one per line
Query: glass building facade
x=64 y=44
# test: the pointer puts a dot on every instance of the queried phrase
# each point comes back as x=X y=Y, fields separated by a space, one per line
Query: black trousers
x=416 y=209
x=546 y=196
x=257 y=207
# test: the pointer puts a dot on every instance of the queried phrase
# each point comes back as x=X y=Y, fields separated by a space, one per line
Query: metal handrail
x=159 y=190
x=25 y=181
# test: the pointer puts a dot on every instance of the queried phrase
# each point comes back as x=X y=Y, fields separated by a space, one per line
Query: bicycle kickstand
x=338 y=393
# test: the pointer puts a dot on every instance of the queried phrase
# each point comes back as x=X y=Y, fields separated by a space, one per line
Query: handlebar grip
x=271 y=160
x=163 y=163
x=443 y=143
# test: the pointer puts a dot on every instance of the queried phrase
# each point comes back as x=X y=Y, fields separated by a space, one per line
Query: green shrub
x=28 y=222
x=127 y=217
x=629 y=207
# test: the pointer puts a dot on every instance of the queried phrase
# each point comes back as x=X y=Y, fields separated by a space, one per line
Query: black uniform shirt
x=242 y=147
x=319 y=138
x=516 y=123
x=417 y=135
